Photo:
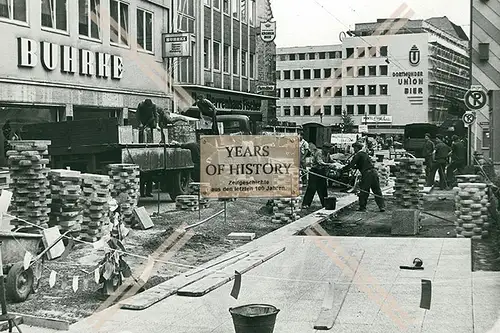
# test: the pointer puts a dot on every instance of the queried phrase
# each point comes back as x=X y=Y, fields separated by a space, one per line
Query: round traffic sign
x=469 y=118
x=475 y=99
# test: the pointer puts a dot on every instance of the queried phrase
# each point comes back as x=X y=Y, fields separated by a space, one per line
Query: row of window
x=54 y=16
x=243 y=62
x=244 y=10
x=328 y=73
x=336 y=110
x=361 y=52
x=329 y=92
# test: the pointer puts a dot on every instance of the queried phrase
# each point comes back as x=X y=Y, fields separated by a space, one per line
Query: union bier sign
x=68 y=59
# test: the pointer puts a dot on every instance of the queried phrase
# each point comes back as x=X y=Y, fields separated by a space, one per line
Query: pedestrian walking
x=369 y=178
x=428 y=152
x=458 y=159
x=317 y=177
x=439 y=164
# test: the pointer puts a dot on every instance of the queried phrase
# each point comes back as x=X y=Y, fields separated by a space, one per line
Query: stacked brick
x=471 y=210
x=182 y=133
x=96 y=195
x=286 y=210
x=410 y=181
x=66 y=205
x=194 y=189
x=187 y=202
x=125 y=190
x=384 y=172
x=468 y=179
x=30 y=186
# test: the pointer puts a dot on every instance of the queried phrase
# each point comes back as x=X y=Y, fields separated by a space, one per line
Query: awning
x=225 y=92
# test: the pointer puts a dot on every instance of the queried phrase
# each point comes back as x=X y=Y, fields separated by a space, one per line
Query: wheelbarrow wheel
x=19 y=282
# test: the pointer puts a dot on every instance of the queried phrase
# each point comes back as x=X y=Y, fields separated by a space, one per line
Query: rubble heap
x=30 y=186
x=66 y=205
x=126 y=188
x=187 y=202
x=96 y=195
x=471 y=210
x=286 y=210
x=194 y=189
x=410 y=181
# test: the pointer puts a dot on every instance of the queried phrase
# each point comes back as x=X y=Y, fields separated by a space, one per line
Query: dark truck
x=414 y=137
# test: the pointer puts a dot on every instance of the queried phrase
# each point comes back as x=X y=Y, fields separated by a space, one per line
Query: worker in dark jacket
x=458 y=159
x=428 y=152
x=317 y=177
x=369 y=178
x=440 y=162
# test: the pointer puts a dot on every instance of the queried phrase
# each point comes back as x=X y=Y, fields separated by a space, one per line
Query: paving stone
x=405 y=222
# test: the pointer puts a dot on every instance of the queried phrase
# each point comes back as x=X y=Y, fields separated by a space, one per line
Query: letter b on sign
x=27 y=52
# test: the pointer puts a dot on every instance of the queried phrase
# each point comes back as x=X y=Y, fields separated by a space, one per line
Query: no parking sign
x=469 y=118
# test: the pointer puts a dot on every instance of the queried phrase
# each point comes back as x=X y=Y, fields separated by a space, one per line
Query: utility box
x=405 y=222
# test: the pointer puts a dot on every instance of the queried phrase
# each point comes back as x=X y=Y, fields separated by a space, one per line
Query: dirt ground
x=485 y=252
x=209 y=242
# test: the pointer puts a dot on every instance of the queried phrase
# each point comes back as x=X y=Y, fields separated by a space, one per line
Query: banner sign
x=248 y=166
x=344 y=139
x=176 y=45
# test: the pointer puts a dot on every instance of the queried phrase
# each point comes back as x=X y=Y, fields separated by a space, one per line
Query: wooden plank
x=50 y=235
x=328 y=313
x=143 y=217
x=244 y=236
x=55 y=324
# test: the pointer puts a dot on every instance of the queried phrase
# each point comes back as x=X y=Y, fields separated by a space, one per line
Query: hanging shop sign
x=176 y=45
x=268 y=31
x=68 y=59
x=377 y=119
x=249 y=166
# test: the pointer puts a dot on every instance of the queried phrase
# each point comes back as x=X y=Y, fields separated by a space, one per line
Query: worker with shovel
x=369 y=178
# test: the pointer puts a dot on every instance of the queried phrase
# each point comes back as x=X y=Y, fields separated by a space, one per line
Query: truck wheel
x=180 y=183
x=19 y=282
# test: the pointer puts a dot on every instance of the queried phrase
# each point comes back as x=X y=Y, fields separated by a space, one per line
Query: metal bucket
x=330 y=203
x=254 y=318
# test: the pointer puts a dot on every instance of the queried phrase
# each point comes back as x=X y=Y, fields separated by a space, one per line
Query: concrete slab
x=295 y=282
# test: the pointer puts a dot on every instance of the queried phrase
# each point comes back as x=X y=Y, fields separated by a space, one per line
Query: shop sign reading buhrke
x=68 y=59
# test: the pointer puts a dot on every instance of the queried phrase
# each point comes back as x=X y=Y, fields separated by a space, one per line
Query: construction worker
x=440 y=161
x=428 y=152
x=369 y=178
x=458 y=159
x=317 y=178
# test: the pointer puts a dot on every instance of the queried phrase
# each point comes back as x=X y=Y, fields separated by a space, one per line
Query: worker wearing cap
x=369 y=178
x=317 y=177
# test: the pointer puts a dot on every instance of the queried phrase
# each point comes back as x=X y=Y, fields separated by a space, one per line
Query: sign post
x=469 y=118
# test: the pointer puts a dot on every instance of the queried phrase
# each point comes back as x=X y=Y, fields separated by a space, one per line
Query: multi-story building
x=384 y=78
x=79 y=59
x=223 y=63
x=485 y=54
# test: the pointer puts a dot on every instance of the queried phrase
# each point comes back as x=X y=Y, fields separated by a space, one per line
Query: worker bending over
x=369 y=178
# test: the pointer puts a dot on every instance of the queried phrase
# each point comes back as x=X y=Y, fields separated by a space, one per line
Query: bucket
x=254 y=318
x=330 y=203
x=380 y=158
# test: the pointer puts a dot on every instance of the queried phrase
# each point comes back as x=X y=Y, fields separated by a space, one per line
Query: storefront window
x=89 y=12
x=119 y=23
x=145 y=30
x=55 y=14
x=13 y=10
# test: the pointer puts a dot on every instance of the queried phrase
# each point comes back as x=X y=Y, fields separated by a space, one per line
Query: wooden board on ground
x=214 y=281
x=327 y=314
x=143 y=217
x=49 y=236
x=55 y=324
x=244 y=236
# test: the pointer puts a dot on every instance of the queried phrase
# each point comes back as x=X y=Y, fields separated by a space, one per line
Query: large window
x=236 y=60
x=252 y=13
x=317 y=73
x=307 y=110
x=216 y=4
x=328 y=110
x=226 y=59
x=337 y=110
x=307 y=92
x=244 y=63
x=243 y=10
x=383 y=70
x=349 y=52
x=372 y=70
x=372 y=109
x=286 y=110
x=235 y=7
x=372 y=89
x=225 y=4
x=350 y=90
x=216 y=48
x=361 y=52
x=206 y=54
x=361 y=109
x=296 y=110
x=327 y=92
x=55 y=14
x=383 y=89
x=361 y=71
x=383 y=109
x=296 y=92
x=350 y=110
x=89 y=17
x=14 y=10
x=307 y=74
x=383 y=51
x=328 y=73
x=286 y=75
x=286 y=92
x=296 y=74
x=119 y=22
x=252 y=65
x=145 y=30
x=349 y=72
x=361 y=90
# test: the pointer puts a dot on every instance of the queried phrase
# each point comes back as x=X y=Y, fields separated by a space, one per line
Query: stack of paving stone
x=468 y=179
x=286 y=210
x=410 y=181
x=126 y=188
x=187 y=202
x=194 y=189
x=66 y=205
x=182 y=133
x=471 y=209
x=383 y=174
x=29 y=184
x=96 y=195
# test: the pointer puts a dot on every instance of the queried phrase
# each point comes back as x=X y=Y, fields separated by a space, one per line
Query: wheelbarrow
x=21 y=282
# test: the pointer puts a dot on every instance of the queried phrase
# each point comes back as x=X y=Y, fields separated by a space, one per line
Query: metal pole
x=199 y=203
x=469 y=139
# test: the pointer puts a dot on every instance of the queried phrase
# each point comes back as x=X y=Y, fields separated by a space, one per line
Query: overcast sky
x=319 y=22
